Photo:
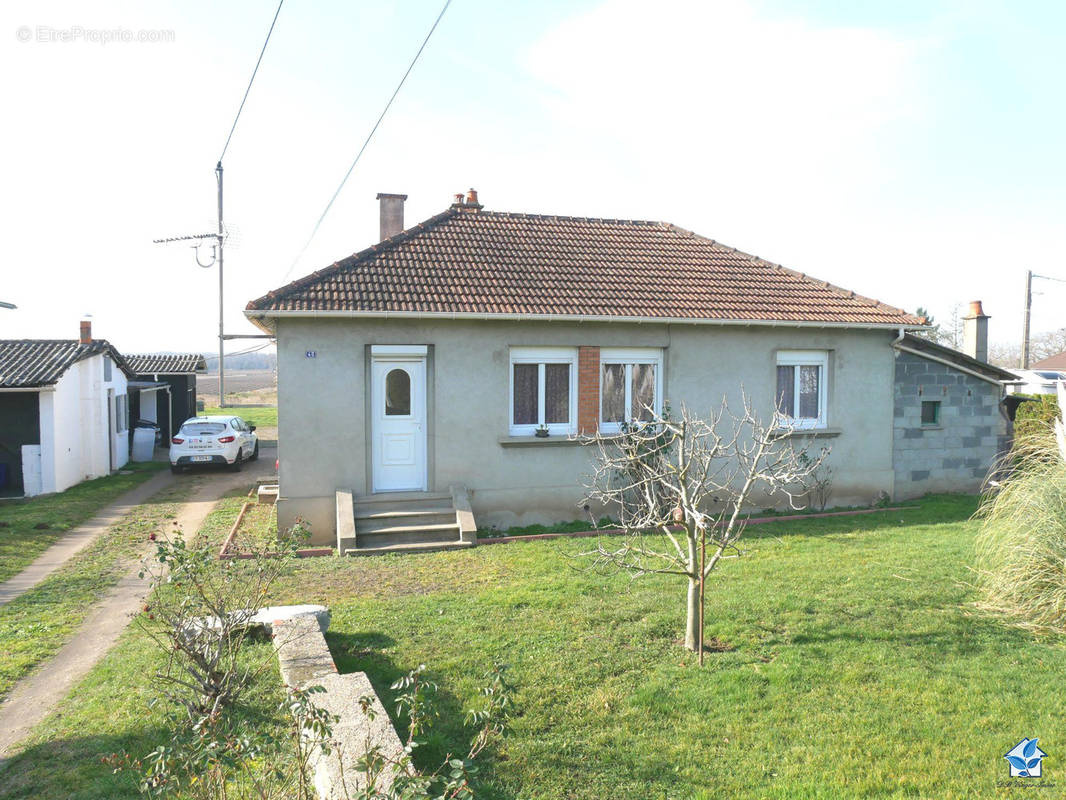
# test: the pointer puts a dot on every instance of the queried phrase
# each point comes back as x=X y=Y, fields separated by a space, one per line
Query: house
x=1036 y=381
x=171 y=380
x=64 y=412
x=422 y=366
x=951 y=419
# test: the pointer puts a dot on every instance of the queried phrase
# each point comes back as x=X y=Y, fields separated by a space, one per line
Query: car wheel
x=176 y=469
x=255 y=453
x=237 y=462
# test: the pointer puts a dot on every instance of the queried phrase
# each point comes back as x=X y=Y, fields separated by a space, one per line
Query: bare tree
x=688 y=479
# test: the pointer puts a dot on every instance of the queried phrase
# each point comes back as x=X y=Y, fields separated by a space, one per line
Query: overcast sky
x=910 y=151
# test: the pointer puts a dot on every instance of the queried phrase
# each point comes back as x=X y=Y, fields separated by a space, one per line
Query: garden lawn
x=36 y=624
x=852 y=664
x=20 y=540
x=260 y=417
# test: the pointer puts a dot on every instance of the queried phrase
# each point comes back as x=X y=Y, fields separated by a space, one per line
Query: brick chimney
x=86 y=331
x=391 y=214
x=975 y=332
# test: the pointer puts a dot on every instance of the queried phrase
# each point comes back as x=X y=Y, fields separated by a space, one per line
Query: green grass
x=260 y=417
x=36 y=624
x=853 y=664
x=20 y=539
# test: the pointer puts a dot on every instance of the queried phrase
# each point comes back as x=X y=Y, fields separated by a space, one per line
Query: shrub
x=1021 y=549
x=1036 y=417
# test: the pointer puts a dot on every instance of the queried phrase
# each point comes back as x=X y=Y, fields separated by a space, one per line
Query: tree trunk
x=692 y=620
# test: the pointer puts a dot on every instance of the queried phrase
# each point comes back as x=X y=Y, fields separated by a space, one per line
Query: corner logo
x=1024 y=759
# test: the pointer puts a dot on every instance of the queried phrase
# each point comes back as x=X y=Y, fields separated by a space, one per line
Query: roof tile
x=484 y=262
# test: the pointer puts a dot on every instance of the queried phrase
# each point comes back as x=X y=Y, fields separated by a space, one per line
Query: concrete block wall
x=956 y=454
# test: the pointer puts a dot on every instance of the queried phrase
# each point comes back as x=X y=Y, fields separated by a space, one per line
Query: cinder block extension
x=955 y=453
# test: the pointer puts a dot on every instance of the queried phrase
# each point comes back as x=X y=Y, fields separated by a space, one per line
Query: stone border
x=304 y=660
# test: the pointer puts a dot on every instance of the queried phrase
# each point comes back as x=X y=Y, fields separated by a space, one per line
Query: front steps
x=404 y=522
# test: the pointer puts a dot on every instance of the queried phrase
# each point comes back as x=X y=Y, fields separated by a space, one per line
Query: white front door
x=398 y=400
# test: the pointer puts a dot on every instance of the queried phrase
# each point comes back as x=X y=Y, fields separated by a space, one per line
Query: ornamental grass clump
x=1021 y=549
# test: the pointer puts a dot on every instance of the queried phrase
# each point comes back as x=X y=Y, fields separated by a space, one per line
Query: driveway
x=34 y=697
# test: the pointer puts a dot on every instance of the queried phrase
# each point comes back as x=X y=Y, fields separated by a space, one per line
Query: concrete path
x=36 y=695
x=80 y=537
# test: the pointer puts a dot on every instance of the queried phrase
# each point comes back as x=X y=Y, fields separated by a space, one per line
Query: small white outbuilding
x=64 y=412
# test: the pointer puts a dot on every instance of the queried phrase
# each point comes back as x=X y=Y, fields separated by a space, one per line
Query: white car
x=213 y=440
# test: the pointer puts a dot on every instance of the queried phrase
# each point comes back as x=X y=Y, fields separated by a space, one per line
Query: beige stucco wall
x=322 y=408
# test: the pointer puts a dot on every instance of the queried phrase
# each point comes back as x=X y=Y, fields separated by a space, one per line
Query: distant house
x=170 y=379
x=1041 y=377
x=64 y=412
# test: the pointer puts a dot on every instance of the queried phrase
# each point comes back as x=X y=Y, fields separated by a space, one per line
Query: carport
x=145 y=404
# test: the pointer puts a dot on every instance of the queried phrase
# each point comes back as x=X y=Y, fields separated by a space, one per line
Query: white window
x=543 y=390
x=631 y=386
x=801 y=386
x=122 y=413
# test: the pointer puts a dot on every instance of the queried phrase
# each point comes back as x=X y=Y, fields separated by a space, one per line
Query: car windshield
x=202 y=428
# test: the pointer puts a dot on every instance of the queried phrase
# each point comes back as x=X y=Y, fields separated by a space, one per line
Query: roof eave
x=266 y=320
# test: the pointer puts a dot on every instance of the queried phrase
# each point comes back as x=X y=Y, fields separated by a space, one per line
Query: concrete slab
x=303 y=656
x=336 y=775
x=267 y=617
x=304 y=660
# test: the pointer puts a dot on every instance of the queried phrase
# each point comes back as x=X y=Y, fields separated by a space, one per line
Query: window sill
x=538 y=441
x=931 y=427
x=825 y=433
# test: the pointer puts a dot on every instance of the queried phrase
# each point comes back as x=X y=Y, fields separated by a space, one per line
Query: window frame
x=384 y=410
x=541 y=356
x=936 y=414
x=122 y=413
x=628 y=356
x=804 y=358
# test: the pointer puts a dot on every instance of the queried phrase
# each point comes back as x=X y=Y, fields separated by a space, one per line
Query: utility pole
x=217 y=257
x=1029 y=275
x=1025 y=318
x=221 y=332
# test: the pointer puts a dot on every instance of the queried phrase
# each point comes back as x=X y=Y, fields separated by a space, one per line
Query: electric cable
x=362 y=149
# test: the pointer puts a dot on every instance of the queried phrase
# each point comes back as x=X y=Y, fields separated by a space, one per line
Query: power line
x=209 y=357
x=359 y=155
x=251 y=81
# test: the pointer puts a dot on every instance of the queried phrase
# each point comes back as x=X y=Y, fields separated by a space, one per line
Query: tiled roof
x=29 y=363
x=467 y=261
x=166 y=363
x=1057 y=361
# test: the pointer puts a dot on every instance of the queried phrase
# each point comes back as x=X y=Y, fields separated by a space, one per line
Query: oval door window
x=397 y=393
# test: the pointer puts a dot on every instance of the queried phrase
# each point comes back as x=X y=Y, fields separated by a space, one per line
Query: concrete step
x=402 y=522
x=437 y=535
x=408 y=547
x=403 y=497
x=400 y=510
